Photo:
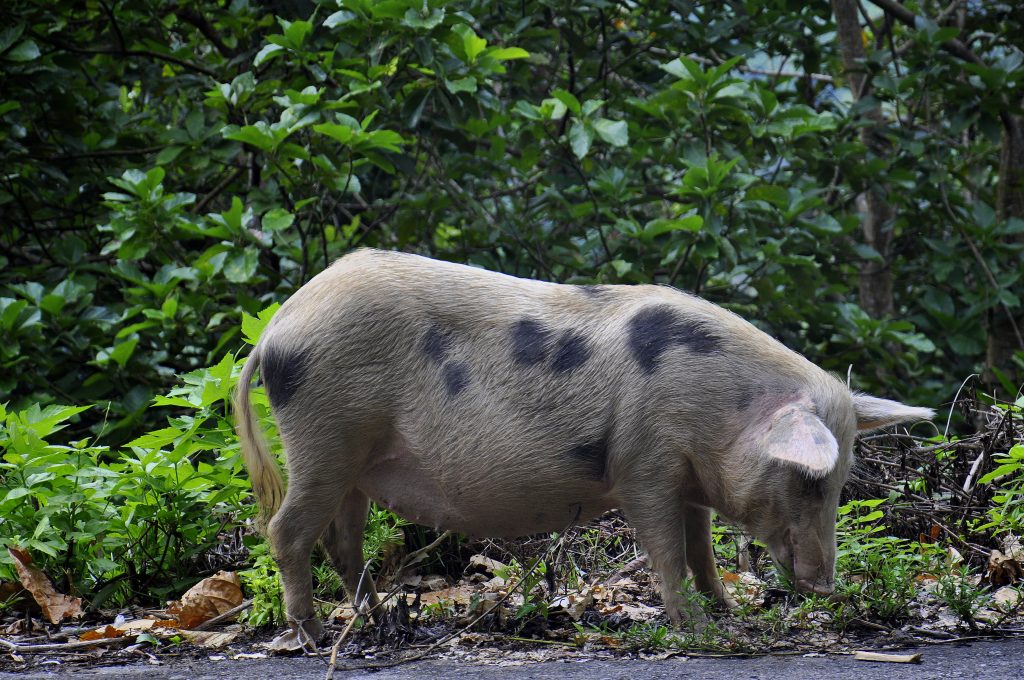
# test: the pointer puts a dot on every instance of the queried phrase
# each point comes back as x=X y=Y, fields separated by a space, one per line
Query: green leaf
x=824 y=223
x=259 y=135
x=27 y=50
x=296 y=32
x=426 y=20
x=277 y=219
x=385 y=139
x=340 y=17
x=168 y=154
x=467 y=84
x=241 y=267
x=580 y=138
x=267 y=53
x=614 y=132
x=9 y=35
x=506 y=53
x=472 y=44
x=569 y=99
x=690 y=223
x=769 y=193
x=252 y=326
x=119 y=353
x=339 y=133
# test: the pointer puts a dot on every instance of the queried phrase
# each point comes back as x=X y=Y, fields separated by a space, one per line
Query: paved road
x=1000 y=659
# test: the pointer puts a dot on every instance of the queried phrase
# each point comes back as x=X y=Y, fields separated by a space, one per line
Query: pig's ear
x=794 y=435
x=873 y=413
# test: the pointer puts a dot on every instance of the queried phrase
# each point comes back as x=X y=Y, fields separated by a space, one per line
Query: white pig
x=496 y=406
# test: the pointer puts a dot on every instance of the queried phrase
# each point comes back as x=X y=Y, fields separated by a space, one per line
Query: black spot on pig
x=282 y=372
x=592 y=457
x=595 y=292
x=456 y=377
x=529 y=342
x=744 y=398
x=571 y=352
x=653 y=330
x=436 y=344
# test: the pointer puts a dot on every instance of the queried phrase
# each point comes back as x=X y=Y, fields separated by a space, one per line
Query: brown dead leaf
x=1013 y=547
x=479 y=563
x=455 y=595
x=206 y=599
x=137 y=625
x=1004 y=570
x=56 y=606
x=1006 y=599
x=210 y=639
x=105 y=633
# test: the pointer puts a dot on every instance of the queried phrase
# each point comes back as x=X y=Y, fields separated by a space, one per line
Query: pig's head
x=801 y=454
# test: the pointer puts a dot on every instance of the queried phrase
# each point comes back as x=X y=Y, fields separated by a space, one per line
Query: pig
x=496 y=406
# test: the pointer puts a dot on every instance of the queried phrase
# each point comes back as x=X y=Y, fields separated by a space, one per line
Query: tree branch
x=953 y=46
x=64 y=45
x=193 y=17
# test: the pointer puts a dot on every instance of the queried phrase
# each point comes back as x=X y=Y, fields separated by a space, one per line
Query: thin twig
x=65 y=646
x=523 y=580
x=231 y=613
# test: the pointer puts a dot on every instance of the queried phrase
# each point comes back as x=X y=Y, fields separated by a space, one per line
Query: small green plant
x=1007 y=514
x=528 y=582
x=641 y=637
x=694 y=607
x=263 y=585
x=958 y=590
x=881 y=583
x=327 y=580
x=124 y=523
x=383 y=528
x=876 y=571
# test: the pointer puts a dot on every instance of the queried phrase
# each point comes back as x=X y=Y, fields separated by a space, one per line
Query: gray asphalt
x=986 y=659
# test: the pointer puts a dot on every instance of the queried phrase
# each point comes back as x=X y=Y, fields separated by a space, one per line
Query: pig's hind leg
x=317 y=483
x=343 y=541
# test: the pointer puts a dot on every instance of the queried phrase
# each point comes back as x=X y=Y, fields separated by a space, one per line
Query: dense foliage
x=170 y=167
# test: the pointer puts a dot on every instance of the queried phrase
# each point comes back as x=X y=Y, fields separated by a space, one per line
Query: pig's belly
x=503 y=505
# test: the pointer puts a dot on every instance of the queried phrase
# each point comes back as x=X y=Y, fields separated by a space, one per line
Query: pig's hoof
x=302 y=635
x=691 y=618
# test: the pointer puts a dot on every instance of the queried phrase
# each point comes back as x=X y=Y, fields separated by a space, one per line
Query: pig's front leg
x=659 y=518
x=700 y=555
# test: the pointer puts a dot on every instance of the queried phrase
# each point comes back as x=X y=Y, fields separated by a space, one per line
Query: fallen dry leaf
x=479 y=563
x=573 y=604
x=137 y=625
x=209 y=639
x=105 y=633
x=1013 y=547
x=455 y=595
x=208 y=598
x=56 y=606
x=1003 y=569
x=1006 y=598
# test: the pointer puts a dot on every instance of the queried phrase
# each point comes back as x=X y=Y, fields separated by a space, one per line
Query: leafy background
x=172 y=169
